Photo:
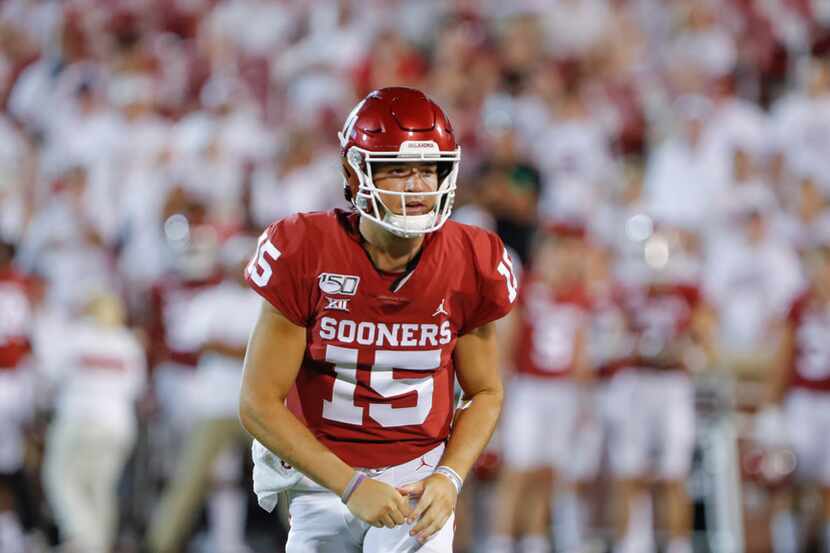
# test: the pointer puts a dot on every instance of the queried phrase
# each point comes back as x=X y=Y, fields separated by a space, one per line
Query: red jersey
x=660 y=319
x=610 y=340
x=810 y=365
x=549 y=324
x=15 y=320
x=376 y=383
x=171 y=330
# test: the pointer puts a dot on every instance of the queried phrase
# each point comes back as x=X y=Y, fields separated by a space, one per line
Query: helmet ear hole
x=444 y=169
x=349 y=181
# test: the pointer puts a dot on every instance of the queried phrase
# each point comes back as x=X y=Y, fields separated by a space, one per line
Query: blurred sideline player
x=372 y=314
x=650 y=402
x=798 y=413
x=609 y=346
x=98 y=370
x=546 y=398
x=16 y=395
x=176 y=338
x=211 y=461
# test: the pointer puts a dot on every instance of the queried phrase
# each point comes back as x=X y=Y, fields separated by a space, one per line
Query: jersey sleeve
x=498 y=286
x=279 y=271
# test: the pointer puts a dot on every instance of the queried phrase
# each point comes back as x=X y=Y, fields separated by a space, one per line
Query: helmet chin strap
x=409 y=225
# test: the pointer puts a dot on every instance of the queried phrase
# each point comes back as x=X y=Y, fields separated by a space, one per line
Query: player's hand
x=437 y=497
x=379 y=504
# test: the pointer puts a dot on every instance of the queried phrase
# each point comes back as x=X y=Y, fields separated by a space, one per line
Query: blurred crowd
x=145 y=144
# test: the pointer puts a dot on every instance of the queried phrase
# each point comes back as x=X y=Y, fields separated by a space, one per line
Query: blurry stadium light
x=639 y=228
x=656 y=251
x=778 y=464
x=176 y=228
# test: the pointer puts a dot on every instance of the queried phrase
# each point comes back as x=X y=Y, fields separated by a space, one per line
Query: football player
x=546 y=348
x=372 y=314
x=608 y=346
x=650 y=401
x=798 y=413
x=98 y=371
x=210 y=463
x=176 y=335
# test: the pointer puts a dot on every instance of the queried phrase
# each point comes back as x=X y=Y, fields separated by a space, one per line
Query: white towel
x=271 y=476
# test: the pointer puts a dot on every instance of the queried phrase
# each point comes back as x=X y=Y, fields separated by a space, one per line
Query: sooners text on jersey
x=376 y=384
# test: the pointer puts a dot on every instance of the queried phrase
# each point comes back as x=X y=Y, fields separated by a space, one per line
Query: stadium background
x=145 y=141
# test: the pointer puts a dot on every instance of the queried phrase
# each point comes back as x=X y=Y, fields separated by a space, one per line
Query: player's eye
x=400 y=171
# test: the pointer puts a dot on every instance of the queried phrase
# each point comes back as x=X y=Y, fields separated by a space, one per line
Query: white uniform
x=751 y=286
x=807 y=418
x=321 y=522
x=224 y=313
x=651 y=412
x=543 y=389
x=99 y=373
x=227 y=313
x=182 y=329
x=528 y=438
x=807 y=403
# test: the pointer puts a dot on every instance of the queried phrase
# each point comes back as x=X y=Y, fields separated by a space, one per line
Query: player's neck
x=388 y=252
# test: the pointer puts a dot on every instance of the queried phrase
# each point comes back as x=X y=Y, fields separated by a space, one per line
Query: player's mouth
x=416 y=208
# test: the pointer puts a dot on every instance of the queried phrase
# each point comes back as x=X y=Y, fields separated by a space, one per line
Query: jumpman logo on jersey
x=441 y=310
x=424 y=464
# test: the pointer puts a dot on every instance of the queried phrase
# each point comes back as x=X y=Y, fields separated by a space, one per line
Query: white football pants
x=321 y=523
x=83 y=464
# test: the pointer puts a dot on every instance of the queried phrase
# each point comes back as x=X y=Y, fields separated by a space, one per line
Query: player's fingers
x=397 y=517
x=436 y=524
x=388 y=521
x=404 y=505
x=423 y=522
x=415 y=489
x=420 y=508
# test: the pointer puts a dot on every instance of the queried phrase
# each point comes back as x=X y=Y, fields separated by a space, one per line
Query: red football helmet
x=398 y=124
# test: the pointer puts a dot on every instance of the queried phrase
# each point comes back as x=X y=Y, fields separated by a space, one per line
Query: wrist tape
x=453 y=476
x=356 y=480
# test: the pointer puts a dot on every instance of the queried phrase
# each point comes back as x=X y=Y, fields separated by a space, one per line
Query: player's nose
x=418 y=182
